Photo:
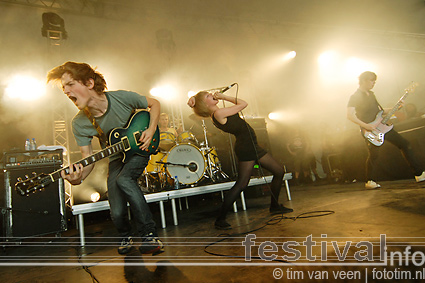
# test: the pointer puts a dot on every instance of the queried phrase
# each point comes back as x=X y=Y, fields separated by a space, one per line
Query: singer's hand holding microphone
x=220 y=94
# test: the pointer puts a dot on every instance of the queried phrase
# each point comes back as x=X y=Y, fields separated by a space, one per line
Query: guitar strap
x=379 y=105
x=102 y=137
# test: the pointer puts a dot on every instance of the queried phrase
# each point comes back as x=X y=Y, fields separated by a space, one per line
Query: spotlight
x=53 y=26
x=274 y=116
x=165 y=92
x=191 y=93
x=290 y=55
x=25 y=88
x=95 y=197
x=327 y=58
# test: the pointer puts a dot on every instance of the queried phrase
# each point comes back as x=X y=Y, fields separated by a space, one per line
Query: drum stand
x=213 y=170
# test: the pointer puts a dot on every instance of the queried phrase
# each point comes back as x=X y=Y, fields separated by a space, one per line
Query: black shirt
x=246 y=146
x=366 y=105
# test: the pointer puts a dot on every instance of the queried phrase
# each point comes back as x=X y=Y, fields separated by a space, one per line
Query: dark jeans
x=400 y=142
x=123 y=188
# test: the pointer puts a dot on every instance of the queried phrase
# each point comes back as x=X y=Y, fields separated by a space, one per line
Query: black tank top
x=246 y=146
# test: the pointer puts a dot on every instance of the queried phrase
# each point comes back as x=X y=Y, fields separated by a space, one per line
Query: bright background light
x=25 y=88
x=191 y=93
x=336 y=68
x=165 y=92
x=290 y=55
x=95 y=197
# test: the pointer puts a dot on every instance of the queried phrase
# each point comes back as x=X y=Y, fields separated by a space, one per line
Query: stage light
x=327 y=58
x=355 y=66
x=274 y=116
x=95 y=197
x=290 y=55
x=53 y=26
x=25 y=88
x=164 y=92
x=283 y=116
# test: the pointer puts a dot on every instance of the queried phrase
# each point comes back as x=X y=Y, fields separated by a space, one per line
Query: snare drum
x=166 y=141
x=187 y=137
x=190 y=162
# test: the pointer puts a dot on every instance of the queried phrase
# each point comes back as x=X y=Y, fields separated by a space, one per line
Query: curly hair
x=81 y=72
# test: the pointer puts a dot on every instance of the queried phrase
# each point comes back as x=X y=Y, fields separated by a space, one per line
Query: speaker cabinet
x=39 y=213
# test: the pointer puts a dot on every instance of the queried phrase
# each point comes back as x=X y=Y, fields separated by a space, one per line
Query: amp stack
x=41 y=211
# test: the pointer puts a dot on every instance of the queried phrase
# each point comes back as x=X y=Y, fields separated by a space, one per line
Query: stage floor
x=335 y=215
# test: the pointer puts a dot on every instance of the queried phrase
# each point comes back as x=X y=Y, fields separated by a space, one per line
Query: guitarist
x=86 y=88
x=362 y=110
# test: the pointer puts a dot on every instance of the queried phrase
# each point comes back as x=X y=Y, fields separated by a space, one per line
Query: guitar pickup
x=137 y=136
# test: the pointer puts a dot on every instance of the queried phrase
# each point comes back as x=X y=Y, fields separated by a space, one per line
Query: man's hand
x=146 y=139
x=75 y=174
x=369 y=127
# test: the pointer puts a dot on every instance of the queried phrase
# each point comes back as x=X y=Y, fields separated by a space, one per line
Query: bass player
x=362 y=109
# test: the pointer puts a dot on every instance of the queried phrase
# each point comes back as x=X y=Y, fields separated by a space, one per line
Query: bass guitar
x=376 y=137
x=124 y=140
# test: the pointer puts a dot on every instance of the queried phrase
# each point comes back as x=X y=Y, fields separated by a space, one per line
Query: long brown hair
x=81 y=72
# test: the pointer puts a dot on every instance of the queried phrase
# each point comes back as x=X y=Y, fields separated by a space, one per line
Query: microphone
x=192 y=167
x=227 y=88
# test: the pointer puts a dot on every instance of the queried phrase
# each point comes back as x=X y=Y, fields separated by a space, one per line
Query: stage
x=333 y=214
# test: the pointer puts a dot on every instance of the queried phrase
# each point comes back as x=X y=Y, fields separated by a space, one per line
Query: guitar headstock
x=31 y=185
x=411 y=87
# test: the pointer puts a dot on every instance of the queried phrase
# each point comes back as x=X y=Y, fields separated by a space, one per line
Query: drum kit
x=183 y=159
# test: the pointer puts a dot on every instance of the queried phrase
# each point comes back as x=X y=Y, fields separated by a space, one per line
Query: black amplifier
x=32 y=158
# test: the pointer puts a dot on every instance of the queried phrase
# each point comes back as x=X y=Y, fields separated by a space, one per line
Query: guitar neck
x=108 y=151
x=394 y=109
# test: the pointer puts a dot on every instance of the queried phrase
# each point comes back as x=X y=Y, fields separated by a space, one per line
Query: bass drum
x=190 y=156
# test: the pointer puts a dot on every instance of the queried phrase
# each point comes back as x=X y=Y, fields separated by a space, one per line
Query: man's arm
x=351 y=115
x=77 y=172
x=155 y=110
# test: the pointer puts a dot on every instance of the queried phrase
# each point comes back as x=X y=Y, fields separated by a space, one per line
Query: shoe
x=126 y=245
x=222 y=225
x=151 y=244
x=280 y=209
x=372 y=185
x=420 y=178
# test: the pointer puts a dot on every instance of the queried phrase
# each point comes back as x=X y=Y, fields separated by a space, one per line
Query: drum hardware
x=192 y=166
x=214 y=171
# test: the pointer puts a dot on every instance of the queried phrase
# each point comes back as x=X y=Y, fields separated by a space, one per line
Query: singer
x=248 y=152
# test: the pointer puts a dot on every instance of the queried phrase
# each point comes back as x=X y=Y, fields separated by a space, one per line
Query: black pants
x=400 y=142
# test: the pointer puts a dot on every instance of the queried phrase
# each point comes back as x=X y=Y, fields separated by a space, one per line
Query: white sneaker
x=373 y=185
x=420 y=178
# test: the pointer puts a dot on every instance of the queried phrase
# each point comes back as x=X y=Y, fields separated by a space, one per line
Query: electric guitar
x=125 y=140
x=376 y=137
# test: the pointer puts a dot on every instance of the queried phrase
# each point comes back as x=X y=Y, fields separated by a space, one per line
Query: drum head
x=186 y=154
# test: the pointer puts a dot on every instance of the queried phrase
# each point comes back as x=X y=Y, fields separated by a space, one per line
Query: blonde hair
x=201 y=108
